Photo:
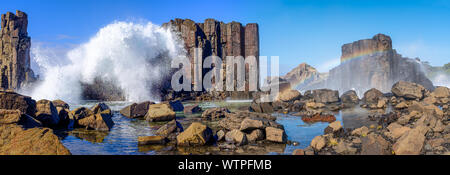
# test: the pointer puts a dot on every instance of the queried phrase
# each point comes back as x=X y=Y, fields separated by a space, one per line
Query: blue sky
x=296 y=31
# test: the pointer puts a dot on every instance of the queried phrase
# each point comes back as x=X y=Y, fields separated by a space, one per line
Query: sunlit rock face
x=219 y=39
x=372 y=63
x=15 y=51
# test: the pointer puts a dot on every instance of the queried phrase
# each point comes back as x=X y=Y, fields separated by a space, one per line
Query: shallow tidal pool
x=122 y=139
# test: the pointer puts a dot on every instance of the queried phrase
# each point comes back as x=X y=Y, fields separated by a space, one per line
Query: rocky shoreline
x=414 y=121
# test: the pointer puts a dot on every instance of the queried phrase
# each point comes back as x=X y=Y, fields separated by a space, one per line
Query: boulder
x=99 y=121
x=345 y=148
x=374 y=144
x=276 y=135
x=289 y=95
x=160 y=112
x=12 y=100
x=60 y=103
x=333 y=127
x=372 y=96
x=15 y=117
x=151 y=140
x=396 y=130
x=261 y=107
x=350 y=97
x=128 y=111
x=319 y=117
x=78 y=114
x=136 y=110
x=34 y=141
x=256 y=135
x=249 y=124
x=298 y=152
x=325 y=96
x=192 y=109
x=408 y=90
x=196 y=134
x=441 y=92
x=410 y=143
x=46 y=113
x=215 y=113
x=363 y=131
x=220 y=135
x=236 y=136
x=169 y=129
x=318 y=143
x=100 y=107
x=314 y=105
x=234 y=120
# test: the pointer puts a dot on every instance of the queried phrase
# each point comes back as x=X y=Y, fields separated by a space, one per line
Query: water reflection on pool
x=122 y=139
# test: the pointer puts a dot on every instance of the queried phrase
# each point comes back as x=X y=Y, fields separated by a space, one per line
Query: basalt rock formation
x=372 y=63
x=15 y=45
x=218 y=39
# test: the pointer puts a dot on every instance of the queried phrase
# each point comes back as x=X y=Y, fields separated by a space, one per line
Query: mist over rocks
x=371 y=63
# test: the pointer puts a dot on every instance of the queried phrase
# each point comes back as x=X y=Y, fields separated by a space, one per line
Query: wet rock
x=195 y=135
x=319 y=117
x=371 y=97
x=60 y=103
x=298 y=152
x=350 y=97
x=215 y=113
x=152 y=140
x=333 y=127
x=236 y=136
x=318 y=143
x=46 y=113
x=410 y=143
x=441 y=92
x=99 y=121
x=15 y=117
x=363 y=131
x=78 y=114
x=160 y=112
x=249 y=124
x=325 y=96
x=261 y=107
x=276 y=135
x=314 y=105
x=220 y=135
x=255 y=135
x=101 y=108
x=176 y=105
x=234 y=120
x=396 y=130
x=408 y=90
x=374 y=144
x=192 y=109
x=401 y=105
x=136 y=110
x=170 y=129
x=34 y=141
x=345 y=148
x=12 y=100
x=289 y=95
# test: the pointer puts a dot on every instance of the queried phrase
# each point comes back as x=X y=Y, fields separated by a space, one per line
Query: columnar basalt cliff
x=218 y=39
x=15 y=51
x=359 y=48
x=372 y=63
